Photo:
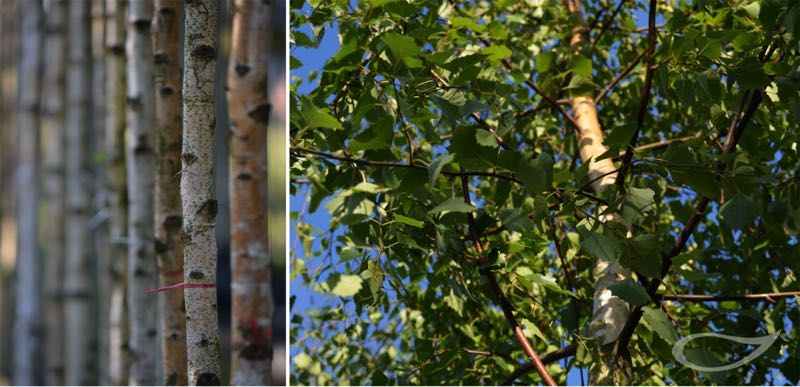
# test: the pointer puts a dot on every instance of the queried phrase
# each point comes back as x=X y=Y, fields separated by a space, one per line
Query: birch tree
x=197 y=193
x=28 y=325
x=169 y=219
x=78 y=309
x=115 y=88
x=142 y=307
x=604 y=178
x=53 y=125
x=249 y=116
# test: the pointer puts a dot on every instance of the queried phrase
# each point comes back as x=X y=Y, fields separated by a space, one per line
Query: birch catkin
x=141 y=187
x=27 y=319
x=197 y=193
x=249 y=115
x=166 y=43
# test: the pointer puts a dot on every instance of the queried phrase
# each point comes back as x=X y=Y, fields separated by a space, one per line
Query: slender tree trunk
x=8 y=43
x=27 y=323
x=141 y=187
x=249 y=115
x=77 y=281
x=53 y=125
x=115 y=90
x=197 y=193
x=166 y=41
x=609 y=312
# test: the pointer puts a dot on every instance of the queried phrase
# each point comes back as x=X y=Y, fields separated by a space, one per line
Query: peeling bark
x=27 y=314
x=141 y=187
x=249 y=115
x=197 y=192
x=166 y=42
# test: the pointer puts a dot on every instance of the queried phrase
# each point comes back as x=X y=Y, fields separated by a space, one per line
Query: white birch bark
x=115 y=89
x=249 y=116
x=77 y=282
x=142 y=307
x=197 y=193
x=27 y=322
x=53 y=125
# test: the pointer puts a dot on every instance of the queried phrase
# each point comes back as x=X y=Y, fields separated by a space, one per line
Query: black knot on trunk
x=208 y=210
x=204 y=53
x=208 y=379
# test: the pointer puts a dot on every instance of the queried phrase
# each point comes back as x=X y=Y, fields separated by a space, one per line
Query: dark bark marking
x=160 y=58
x=204 y=53
x=208 y=379
x=172 y=379
x=242 y=69
x=161 y=247
x=208 y=210
x=166 y=91
x=196 y=275
x=244 y=176
x=255 y=351
x=173 y=222
x=260 y=113
x=141 y=25
x=188 y=158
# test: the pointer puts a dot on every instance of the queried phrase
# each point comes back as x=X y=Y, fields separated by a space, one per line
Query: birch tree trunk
x=27 y=323
x=141 y=187
x=115 y=86
x=77 y=281
x=609 y=312
x=53 y=126
x=249 y=115
x=166 y=42
x=197 y=193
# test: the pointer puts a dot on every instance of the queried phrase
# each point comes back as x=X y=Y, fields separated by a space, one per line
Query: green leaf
x=316 y=117
x=486 y=138
x=548 y=282
x=621 y=136
x=376 y=279
x=473 y=106
x=582 y=66
x=409 y=221
x=496 y=53
x=739 y=212
x=713 y=50
x=378 y=3
x=435 y=167
x=349 y=254
x=368 y=187
x=630 y=291
x=543 y=61
x=637 y=202
x=345 y=285
x=516 y=220
x=648 y=255
x=580 y=85
x=658 y=322
x=302 y=360
x=468 y=152
x=402 y=46
x=452 y=205
x=602 y=247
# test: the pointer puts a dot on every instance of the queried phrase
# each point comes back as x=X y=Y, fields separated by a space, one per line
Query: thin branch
x=734 y=134
x=742 y=297
x=619 y=77
x=388 y=164
x=661 y=144
x=505 y=305
x=607 y=23
x=548 y=358
x=645 y=101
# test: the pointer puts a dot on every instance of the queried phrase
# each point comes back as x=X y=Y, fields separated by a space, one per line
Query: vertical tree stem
x=249 y=115
x=197 y=192
x=141 y=188
x=27 y=318
x=166 y=43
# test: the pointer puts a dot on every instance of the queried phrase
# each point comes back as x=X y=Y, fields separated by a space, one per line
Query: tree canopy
x=439 y=142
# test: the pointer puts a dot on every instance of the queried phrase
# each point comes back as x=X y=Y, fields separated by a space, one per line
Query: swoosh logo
x=763 y=342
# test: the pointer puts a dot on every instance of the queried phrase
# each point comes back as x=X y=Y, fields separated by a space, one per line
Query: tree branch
x=742 y=297
x=661 y=144
x=620 y=76
x=607 y=23
x=645 y=101
x=508 y=310
x=548 y=358
x=389 y=164
x=734 y=134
